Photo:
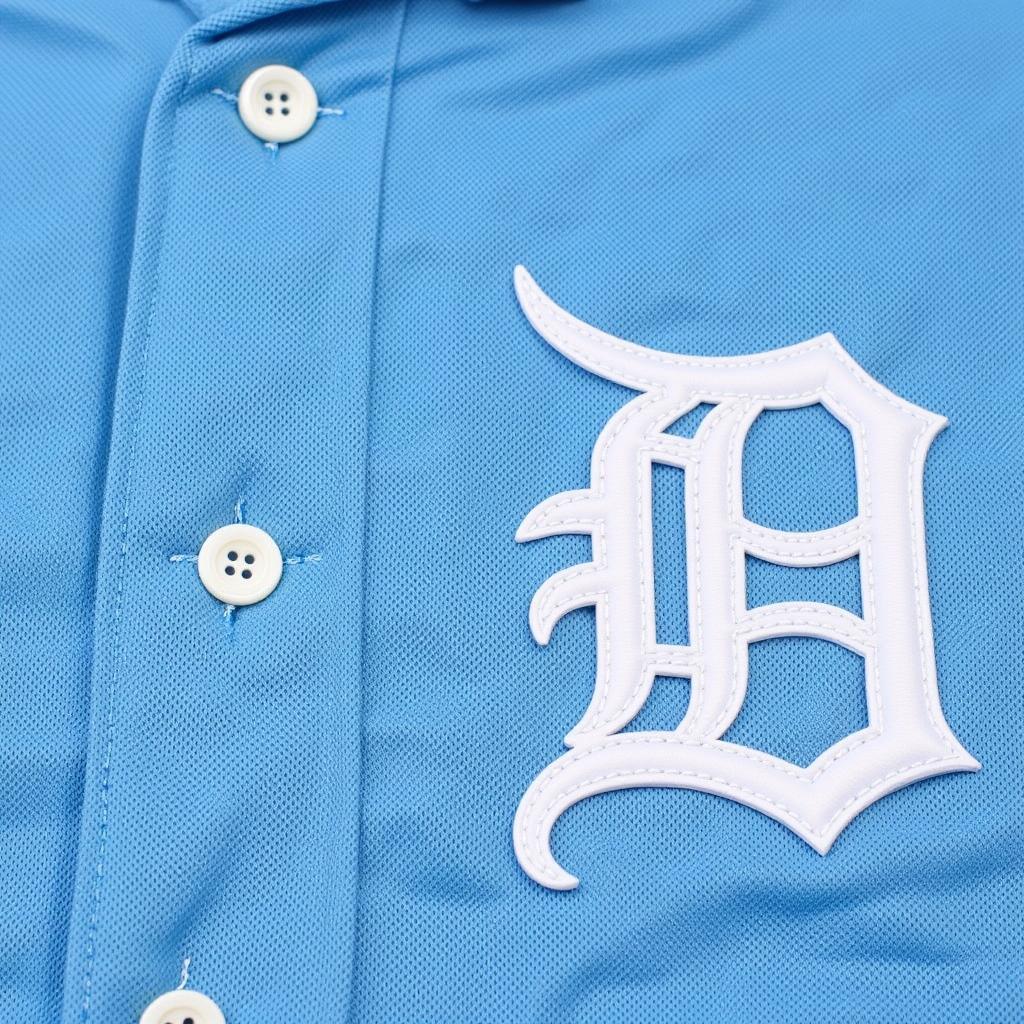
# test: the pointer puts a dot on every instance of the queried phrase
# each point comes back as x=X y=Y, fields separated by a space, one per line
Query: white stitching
x=786 y=811
x=745 y=537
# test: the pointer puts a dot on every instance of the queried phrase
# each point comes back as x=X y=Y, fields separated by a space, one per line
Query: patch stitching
x=827 y=794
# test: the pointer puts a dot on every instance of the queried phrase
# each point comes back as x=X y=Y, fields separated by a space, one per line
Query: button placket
x=220 y=236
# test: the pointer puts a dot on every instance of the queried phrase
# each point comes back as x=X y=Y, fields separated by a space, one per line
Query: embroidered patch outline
x=907 y=738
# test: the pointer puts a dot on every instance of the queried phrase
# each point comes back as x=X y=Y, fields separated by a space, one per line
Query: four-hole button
x=277 y=103
x=182 y=1007
x=240 y=564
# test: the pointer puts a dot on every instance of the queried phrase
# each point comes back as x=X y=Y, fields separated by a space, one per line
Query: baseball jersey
x=510 y=512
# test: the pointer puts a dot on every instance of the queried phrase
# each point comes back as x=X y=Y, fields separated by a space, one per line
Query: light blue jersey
x=389 y=635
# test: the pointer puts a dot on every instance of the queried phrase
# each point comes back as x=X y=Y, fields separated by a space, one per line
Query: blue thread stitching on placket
x=136 y=415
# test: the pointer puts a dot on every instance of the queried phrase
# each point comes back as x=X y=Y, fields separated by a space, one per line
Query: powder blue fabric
x=311 y=798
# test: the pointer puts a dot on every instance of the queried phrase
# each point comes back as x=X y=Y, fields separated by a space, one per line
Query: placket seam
x=367 y=479
x=135 y=411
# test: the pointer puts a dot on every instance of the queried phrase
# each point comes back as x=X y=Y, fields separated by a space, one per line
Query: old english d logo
x=907 y=738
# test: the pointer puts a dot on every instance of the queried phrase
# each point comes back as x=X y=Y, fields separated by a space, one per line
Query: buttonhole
x=230 y=570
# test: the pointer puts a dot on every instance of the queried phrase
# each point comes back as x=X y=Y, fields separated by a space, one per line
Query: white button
x=182 y=1007
x=240 y=564
x=277 y=103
